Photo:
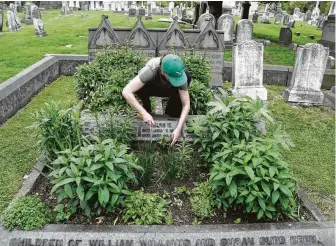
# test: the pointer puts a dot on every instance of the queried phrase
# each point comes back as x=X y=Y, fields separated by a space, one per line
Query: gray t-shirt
x=151 y=74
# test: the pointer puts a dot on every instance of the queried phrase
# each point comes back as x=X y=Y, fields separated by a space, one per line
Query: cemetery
x=253 y=164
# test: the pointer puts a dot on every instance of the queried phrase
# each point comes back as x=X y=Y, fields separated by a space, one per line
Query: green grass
x=18 y=149
x=21 y=49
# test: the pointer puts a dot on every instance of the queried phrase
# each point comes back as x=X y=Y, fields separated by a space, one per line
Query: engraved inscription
x=272 y=240
x=302 y=240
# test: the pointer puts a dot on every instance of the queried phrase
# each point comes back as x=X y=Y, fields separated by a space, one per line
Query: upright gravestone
x=307 y=77
x=286 y=19
x=132 y=12
x=16 y=17
x=141 y=41
x=297 y=14
x=320 y=22
x=247 y=69
x=174 y=40
x=1 y=20
x=142 y=12
x=11 y=20
x=179 y=13
x=278 y=19
x=204 y=19
x=315 y=16
x=149 y=12
x=104 y=36
x=27 y=19
x=244 y=31
x=209 y=45
x=255 y=17
x=65 y=8
x=265 y=18
x=308 y=15
x=285 y=37
x=226 y=23
x=291 y=23
x=328 y=34
x=37 y=21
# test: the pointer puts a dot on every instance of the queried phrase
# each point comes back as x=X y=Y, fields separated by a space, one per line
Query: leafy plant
x=145 y=209
x=200 y=96
x=147 y=160
x=60 y=129
x=201 y=200
x=94 y=177
x=27 y=213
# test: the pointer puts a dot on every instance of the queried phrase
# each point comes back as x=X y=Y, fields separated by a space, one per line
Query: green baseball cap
x=173 y=68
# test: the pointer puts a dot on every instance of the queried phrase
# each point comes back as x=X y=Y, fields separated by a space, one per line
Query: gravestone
x=142 y=12
x=307 y=77
x=104 y=36
x=27 y=19
x=291 y=23
x=1 y=20
x=297 y=14
x=320 y=22
x=173 y=40
x=65 y=8
x=141 y=41
x=149 y=12
x=132 y=12
x=286 y=19
x=86 y=7
x=285 y=37
x=247 y=69
x=315 y=16
x=255 y=17
x=308 y=15
x=265 y=18
x=11 y=20
x=204 y=19
x=278 y=19
x=226 y=23
x=37 y=21
x=209 y=45
x=244 y=31
x=16 y=17
x=328 y=34
x=113 y=6
x=179 y=13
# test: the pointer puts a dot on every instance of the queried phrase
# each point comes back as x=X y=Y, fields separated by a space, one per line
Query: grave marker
x=285 y=37
x=244 y=30
x=255 y=17
x=37 y=21
x=307 y=77
x=278 y=19
x=27 y=19
x=1 y=20
x=328 y=34
x=204 y=19
x=226 y=23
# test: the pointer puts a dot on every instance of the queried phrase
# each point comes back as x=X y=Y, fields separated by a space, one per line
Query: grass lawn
x=21 y=49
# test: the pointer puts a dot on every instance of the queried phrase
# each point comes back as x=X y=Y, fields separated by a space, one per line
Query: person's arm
x=128 y=93
x=185 y=99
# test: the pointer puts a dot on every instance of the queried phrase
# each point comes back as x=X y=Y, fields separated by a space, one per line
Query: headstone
x=16 y=17
x=27 y=19
x=315 y=16
x=244 y=31
x=11 y=20
x=293 y=47
x=179 y=13
x=149 y=12
x=307 y=77
x=285 y=37
x=209 y=45
x=103 y=37
x=278 y=19
x=226 y=23
x=65 y=8
x=173 y=40
x=328 y=34
x=308 y=15
x=1 y=20
x=320 y=22
x=255 y=17
x=142 y=12
x=227 y=7
x=286 y=19
x=204 y=19
x=86 y=7
x=37 y=21
x=265 y=18
x=291 y=23
x=113 y=6
x=297 y=14
x=132 y=12
x=330 y=62
x=247 y=69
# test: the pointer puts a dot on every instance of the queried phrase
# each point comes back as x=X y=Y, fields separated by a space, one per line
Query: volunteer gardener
x=161 y=77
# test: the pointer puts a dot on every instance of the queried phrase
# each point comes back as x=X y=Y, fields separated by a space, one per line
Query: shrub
x=200 y=96
x=60 y=129
x=27 y=213
x=145 y=209
x=101 y=82
x=201 y=200
x=94 y=176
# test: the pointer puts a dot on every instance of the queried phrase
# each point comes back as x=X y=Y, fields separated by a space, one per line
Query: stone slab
x=306 y=233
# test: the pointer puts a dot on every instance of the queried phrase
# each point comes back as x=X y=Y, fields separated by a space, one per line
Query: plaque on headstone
x=141 y=41
x=226 y=23
x=244 y=30
x=210 y=45
x=285 y=37
x=308 y=72
x=104 y=36
x=328 y=34
x=247 y=69
x=204 y=19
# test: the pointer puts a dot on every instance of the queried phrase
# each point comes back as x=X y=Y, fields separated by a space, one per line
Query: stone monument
x=1 y=20
x=320 y=22
x=328 y=34
x=244 y=31
x=278 y=19
x=296 y=14
x=65 y=8
x=226 y=23
x=265 y=18
x=131 y=12
x=285 y=37
x=16 y=17
x=204 y=20
x=255 y=17
x=247 y=69
x=27 y=19
x=37 y=21
x=315 y=15
x=308 y=15
x=286 y=19
x=142 y=12
x=149 y=12
x=11 y=20
x=307 y=77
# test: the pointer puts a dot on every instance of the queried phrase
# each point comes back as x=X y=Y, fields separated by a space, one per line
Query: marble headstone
x=204 y=20
x=320 y=22
x=226 y=23
x=247 y=69
x=11 y=20
x=37 y=21
x=27 y=19
x=297 y=14
x=255 y=17
x=179 y=13
x=285 y=37
x=16 y=17
x=291 y=23
x=308 y=15
x=244 y=30
x=278 y=19
x=265 y=18
x=132 y=12
x=315 y=15
x=328 y=34
x=65 y=8
x=1 y=20
x=286 y=19
x=307 y=77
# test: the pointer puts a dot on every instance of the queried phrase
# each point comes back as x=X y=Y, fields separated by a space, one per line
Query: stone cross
x=226 y=23
x=38 y=23
x=244 y=31
x=247 y=69
x=307 y=77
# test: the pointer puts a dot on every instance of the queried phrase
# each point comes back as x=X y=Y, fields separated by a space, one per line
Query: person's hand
x=175 y=136
x=148 y=119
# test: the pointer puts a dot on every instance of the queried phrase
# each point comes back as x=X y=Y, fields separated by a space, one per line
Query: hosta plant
x=93 y=177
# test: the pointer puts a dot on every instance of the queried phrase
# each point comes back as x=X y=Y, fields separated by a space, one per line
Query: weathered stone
x=286 y=19
x=1 y=20
x=297 y=14
x=27 y=19
x=132 y=12
x=226 y=23
x=278 y=19
x=306 y=81
x=330 y=98
x=328 y=34
x=11 y=21
x=285 y=37
x=247 y=75
x=293 y=46
x=255 y=17
x=142 y=12
x=38 y=23
x=308 y=15
x=291 y=23
x=265 y=18
x=331 y=62
x=244 y=31
x=315 y=16
x=65 y=8
x=320 y=22
x=204 y=19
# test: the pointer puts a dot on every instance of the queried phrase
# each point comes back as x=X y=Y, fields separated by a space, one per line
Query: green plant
x=93 y=177
x=145 y=209
x=201 y=200
x=27 y=213
x=200 y=96
x=60 y=129
x=147 y=160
